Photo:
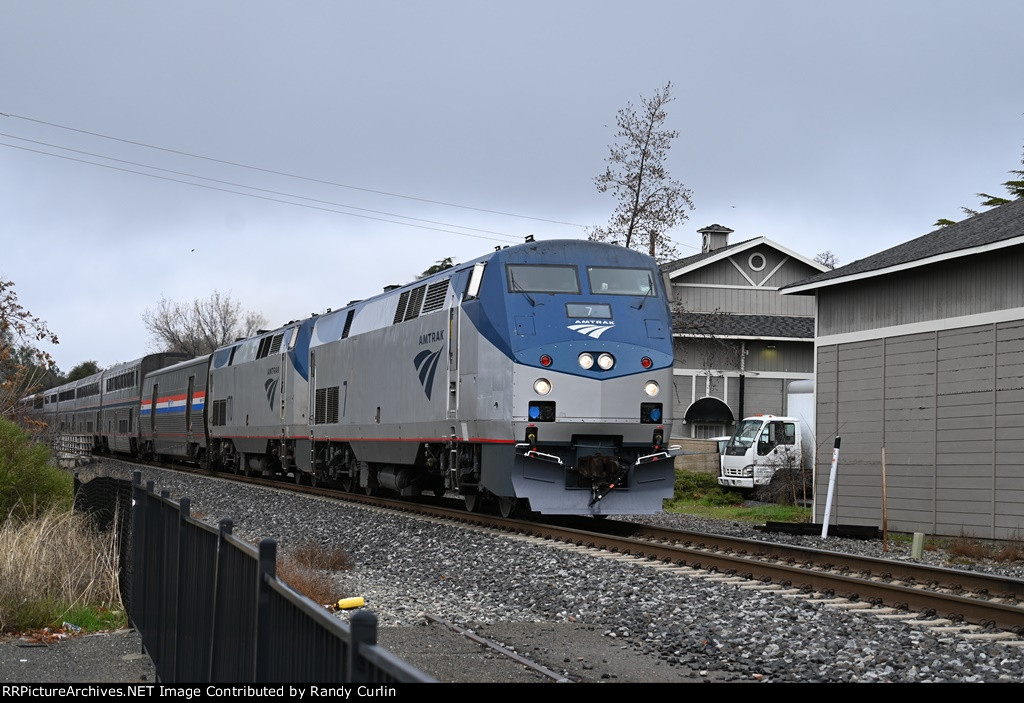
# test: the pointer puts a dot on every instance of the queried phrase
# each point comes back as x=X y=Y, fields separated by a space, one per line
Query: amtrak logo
x=426 y=364
x=270 y=385
x=591 y=328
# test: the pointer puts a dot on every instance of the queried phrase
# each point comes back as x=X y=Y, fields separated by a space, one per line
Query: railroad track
x=976 y=604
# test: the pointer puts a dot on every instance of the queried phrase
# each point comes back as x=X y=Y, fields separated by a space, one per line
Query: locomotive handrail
x=646 y=458
x=534 y=454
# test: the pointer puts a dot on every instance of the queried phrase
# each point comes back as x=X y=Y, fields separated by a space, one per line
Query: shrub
x=29 y=483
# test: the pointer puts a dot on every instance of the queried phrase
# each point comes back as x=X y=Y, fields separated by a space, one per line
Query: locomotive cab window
x=475 y=279
x=540 y=278
x=621 y=281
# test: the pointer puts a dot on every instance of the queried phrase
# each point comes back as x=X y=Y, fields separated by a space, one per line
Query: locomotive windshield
x=538 y=278
x=620 y=281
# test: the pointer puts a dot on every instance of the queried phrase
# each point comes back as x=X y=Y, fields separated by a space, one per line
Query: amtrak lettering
x=431 y=337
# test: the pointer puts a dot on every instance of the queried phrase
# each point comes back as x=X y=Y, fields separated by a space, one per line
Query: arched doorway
x=708 y=417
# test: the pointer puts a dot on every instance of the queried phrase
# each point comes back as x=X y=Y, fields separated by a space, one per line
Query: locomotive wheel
x=507 y=506
x=474 y=502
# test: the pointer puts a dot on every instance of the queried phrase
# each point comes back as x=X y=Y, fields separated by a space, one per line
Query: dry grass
x=304 y=570
x=1010 y=552
x=51 y=564
x=321 y=558
x=970 y=549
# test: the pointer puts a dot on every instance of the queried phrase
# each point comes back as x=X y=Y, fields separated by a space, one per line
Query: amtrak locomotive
x=537 y=376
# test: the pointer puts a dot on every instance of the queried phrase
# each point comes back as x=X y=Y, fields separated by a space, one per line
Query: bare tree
x=827 y=259
x=201 y=326
x=24 y=369
x=708 y=349
x=650 y=203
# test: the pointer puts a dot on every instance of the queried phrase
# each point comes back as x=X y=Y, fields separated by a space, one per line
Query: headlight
x=542 y=386
x=606 y=361
x=586 y=360
x=651 y=388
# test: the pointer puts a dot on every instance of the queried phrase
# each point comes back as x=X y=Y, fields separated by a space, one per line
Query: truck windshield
x=745 y=434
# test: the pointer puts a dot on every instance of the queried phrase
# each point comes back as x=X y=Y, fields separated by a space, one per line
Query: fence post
x=225 y=526
x=138 y=567
x=184 y=511
x=266 y=570
x=363 y=626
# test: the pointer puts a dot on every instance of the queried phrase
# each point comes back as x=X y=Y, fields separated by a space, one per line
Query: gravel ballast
x=682 y=627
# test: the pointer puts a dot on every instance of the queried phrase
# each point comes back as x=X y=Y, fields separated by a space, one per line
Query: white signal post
x=831 y=489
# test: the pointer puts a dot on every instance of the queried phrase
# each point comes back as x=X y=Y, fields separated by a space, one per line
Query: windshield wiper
x=648 y=294
x=516 y=287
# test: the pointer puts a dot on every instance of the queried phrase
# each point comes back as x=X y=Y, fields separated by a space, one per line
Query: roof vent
x=714 y=237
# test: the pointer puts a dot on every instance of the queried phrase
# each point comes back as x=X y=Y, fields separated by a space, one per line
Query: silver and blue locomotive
x=537 y=376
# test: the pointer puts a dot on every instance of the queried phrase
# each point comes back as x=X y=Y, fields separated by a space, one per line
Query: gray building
x=920 y=351
x=738 y=343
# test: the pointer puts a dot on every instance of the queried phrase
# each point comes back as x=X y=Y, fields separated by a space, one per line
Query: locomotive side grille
x=326 y=406
x=348 y=324
x=415 y=301
x=220 y=413
x=275 y=346
x=332 y=404
x=400 y=312
x=320 y=406
x=435 y=296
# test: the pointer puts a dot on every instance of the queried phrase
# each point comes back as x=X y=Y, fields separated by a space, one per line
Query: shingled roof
x=750 y=326
x=1000 y=226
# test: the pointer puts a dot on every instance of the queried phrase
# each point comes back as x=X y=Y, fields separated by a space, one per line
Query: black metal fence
x=210 y=608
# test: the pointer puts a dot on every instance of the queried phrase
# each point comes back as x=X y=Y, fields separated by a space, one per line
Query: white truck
x=763 y=445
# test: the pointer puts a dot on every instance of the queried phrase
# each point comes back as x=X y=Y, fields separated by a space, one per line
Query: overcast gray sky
x=842 y=126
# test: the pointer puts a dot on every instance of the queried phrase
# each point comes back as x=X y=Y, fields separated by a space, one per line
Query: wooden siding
x=786 y=356
x=700 y=290
x=948 y=406
x=724 y=355
x=764 y=396
x=724 y=272
x=966 y=286
x=743 y=301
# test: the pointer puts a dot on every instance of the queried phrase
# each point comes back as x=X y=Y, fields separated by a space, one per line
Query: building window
x=757 y=261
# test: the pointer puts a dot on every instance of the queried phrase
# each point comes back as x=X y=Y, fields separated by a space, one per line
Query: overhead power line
x=238 y=185
x=291 y=175
x=254 y=195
